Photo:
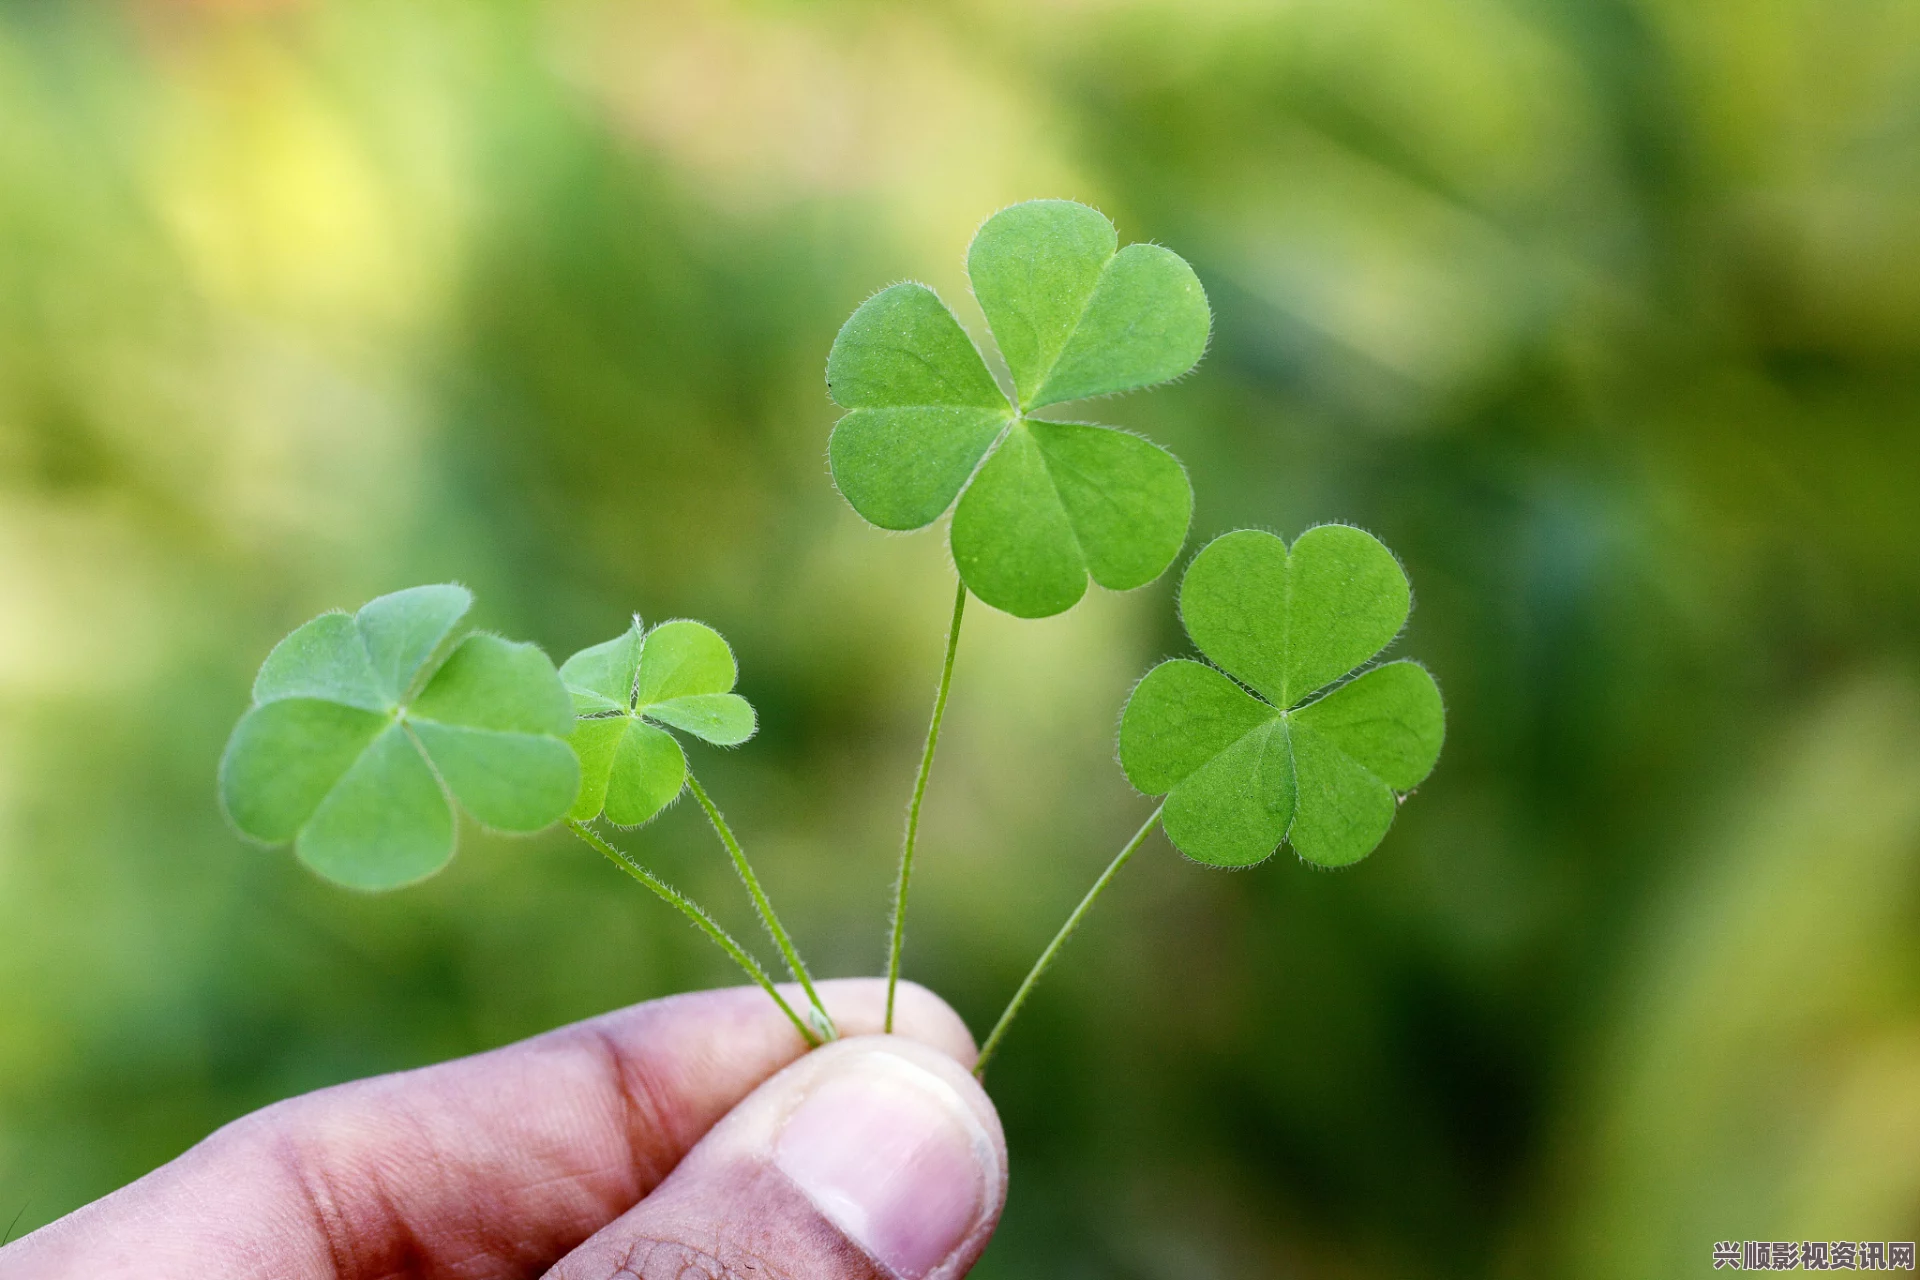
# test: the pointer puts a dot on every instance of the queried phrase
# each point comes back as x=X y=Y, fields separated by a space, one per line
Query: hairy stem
x=795 y=965
x=706 y=923
x=899 y=929
x=1052 y=952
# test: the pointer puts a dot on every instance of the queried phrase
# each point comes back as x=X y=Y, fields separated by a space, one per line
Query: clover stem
x=1048 y=956
x=706 y=923
x=795 y=965
x=899 y=926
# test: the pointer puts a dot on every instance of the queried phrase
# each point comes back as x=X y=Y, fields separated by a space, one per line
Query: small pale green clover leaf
x=1242 y=773
x=627 y=692
x=1043 y=505
x=364 y=724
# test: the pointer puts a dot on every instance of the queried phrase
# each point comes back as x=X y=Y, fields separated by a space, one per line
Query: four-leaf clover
x=363 y=724
x=1242 y=770
x=1042 y=504
x=678 y=675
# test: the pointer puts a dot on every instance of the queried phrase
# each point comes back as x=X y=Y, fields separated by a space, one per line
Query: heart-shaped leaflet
x=363 y=724
x=1242 y=772
x=1043 y=505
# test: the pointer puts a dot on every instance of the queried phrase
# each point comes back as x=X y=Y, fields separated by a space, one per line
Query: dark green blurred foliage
x=1604 y=315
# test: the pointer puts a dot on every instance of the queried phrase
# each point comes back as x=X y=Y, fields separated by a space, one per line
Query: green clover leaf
x=364 y=724
x=627 y=692
x=1043 y=505
x=1241 y=772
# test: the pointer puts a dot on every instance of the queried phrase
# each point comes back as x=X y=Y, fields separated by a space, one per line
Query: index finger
x=487 y=1167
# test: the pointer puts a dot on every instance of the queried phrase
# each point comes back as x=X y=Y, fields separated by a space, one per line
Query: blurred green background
x=1605 y=314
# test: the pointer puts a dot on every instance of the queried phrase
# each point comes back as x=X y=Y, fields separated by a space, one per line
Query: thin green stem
x=706 y=923
x=899 y=929
x=1048 y=956
x=795 y=965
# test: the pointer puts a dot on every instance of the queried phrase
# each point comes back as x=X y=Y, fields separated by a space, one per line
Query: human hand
x=689 y=1137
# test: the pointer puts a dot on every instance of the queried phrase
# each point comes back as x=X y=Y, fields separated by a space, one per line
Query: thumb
x=875 y=1158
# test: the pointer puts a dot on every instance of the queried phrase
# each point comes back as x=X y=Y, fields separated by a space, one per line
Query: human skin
x=689 y=1137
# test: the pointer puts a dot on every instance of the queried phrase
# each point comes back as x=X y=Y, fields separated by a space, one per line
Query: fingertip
x=896 y=1143
x=873 y=1158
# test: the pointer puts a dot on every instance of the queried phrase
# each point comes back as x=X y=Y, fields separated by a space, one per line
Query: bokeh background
x=1605 y=314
